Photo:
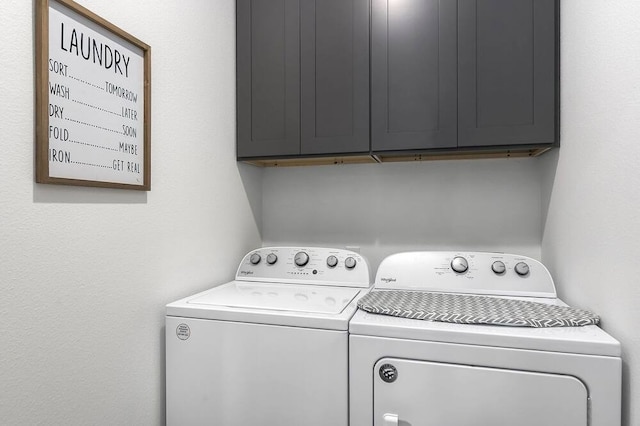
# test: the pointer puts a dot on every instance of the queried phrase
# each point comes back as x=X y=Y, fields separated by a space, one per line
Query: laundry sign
x=92 y=100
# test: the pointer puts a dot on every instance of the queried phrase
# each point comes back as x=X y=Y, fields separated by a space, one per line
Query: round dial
x=301 y=258
x=350 y=262
x=498 y=267
x=272 y=258
x=255 y=259
x=522 y=269
x=332 y=261
x=459 y=264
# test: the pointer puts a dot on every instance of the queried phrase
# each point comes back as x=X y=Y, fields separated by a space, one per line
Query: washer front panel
x=239 y=374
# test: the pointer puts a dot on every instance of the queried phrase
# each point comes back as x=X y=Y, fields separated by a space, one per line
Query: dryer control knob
x=350 y=262
x=498 y=267
x=522 y=269
x=459 y=264
x=272 y=258
x=255 y=259
x=332 y=261
x=301 y=258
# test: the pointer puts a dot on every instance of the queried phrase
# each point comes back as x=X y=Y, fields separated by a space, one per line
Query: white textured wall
x=392 y=207
x=592 y=236
x=85 y=273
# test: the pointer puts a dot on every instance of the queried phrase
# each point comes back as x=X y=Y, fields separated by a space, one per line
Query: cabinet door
x=507 y=55
x=413 y=74
x=335 y=76
x=268 y=74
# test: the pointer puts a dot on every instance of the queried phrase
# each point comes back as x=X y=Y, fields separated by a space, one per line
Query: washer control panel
x=466 y=272
x=311 y=265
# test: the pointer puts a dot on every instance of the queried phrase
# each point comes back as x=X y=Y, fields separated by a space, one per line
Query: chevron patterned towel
x=464 y=309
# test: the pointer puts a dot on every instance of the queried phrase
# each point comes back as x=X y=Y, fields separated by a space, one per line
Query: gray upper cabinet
x=464 y=74
x=350 y=78
x=268 y=77
x=413 y=74
x=507 y=72
x=303 y=77
x=335 y=76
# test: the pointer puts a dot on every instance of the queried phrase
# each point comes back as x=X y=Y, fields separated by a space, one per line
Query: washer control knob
x=332 y=261
x=272 y=258
x=522 y=269
x=350 y=262
x=301 y=258
x=255 y=259
x=459 y=264
x=498 y=267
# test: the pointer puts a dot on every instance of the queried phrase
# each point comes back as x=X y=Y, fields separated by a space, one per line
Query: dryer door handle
x=390 y=419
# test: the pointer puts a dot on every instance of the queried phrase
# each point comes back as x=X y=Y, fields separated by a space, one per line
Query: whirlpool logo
x=388 y=280
x=246 y=272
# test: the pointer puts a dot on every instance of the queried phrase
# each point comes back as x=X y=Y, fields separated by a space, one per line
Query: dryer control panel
x=305 y=265
x=466 y=272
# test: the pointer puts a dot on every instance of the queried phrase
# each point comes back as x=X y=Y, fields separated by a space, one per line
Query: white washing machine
x=411 y=372
x=269 y=348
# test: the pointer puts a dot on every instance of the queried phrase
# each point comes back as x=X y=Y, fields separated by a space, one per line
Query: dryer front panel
x=421 y=393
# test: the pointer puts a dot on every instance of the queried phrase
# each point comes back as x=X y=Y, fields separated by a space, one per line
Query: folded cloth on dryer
x=466 y=309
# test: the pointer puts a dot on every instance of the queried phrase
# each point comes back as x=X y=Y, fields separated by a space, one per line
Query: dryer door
x=420 y=393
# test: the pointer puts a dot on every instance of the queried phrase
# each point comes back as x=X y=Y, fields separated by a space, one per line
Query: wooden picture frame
x=93 y=100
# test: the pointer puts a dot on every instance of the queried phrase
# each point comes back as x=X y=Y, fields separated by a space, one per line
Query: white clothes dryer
x=269 y=348
x=411 y=372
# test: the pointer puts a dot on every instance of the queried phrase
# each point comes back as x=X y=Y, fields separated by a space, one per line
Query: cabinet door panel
x=268 y=75
x=507 y=72
x=334 y=76
x=413 y=74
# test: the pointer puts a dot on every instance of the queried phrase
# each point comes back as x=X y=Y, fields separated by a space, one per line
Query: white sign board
x=95 y=87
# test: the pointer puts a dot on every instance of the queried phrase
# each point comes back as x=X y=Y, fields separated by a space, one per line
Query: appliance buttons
x=459 y=264
x=498 y=267
x=255 y=259
x=301 y=258
x=272 y=258
x=522 y=269
x=332 y=261
x=350 y=262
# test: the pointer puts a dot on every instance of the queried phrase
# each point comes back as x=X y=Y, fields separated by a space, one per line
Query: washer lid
x=279 y=297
